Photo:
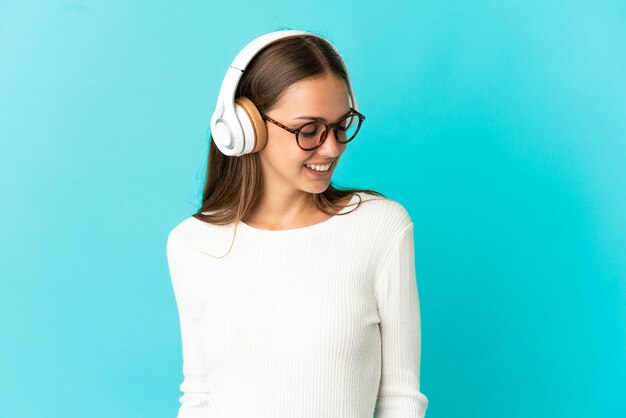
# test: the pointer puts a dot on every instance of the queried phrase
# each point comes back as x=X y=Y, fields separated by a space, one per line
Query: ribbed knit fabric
x=320 y=321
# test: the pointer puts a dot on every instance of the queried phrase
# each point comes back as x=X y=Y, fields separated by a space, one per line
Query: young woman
x=291 y=306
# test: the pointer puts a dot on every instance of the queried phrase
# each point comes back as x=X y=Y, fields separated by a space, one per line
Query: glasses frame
x=328 y=126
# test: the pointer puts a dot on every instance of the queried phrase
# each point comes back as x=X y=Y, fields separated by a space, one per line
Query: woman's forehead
x=326 y=99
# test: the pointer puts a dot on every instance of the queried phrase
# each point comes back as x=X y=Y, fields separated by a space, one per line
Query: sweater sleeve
x=399 y=393
x=195 y=401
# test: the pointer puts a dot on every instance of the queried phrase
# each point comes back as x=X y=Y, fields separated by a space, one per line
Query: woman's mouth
x=320 y=170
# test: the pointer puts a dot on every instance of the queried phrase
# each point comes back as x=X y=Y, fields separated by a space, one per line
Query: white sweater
x=320 y=321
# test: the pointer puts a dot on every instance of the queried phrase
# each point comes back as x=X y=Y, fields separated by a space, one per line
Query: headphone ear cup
x=259 y=128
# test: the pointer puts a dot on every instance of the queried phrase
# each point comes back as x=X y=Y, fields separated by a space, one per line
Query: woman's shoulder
x=193 y=233
x=179 y=234
x=384 y=211
x=380 y=223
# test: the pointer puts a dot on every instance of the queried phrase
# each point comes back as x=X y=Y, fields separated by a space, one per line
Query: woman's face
x=282 y=160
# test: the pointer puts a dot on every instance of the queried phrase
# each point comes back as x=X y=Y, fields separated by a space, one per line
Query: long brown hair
x=233 y=184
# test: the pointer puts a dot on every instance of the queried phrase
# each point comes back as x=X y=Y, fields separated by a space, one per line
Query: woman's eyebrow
x=319 y=118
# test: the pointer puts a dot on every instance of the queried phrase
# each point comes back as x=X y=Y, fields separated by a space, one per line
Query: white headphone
x=236 y=125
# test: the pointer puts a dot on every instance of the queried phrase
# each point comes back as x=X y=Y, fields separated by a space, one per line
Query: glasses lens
x=311 y=134
x=348 y=128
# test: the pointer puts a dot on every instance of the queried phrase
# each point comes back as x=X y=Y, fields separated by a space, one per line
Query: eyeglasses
x=313 y=134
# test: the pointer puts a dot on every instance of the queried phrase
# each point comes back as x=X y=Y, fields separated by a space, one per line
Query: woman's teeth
x=319 y=167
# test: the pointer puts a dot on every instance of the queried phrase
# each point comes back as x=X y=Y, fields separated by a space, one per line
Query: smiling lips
x=319 y=167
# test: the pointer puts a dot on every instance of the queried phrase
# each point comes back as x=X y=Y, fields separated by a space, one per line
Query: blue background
x=499 y=125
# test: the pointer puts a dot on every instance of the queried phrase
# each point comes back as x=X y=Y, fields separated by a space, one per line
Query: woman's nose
x=330 y=146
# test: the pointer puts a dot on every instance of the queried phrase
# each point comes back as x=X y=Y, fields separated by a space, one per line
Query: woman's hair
x=233 y=184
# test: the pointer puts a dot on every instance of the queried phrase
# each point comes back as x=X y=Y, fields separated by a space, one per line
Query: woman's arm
x=195 y=385
x=399 y=393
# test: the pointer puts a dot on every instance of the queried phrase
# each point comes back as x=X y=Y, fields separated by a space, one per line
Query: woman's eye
x=311 y=131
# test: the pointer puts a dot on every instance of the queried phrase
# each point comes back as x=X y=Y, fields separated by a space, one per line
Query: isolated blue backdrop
x=499 y=125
